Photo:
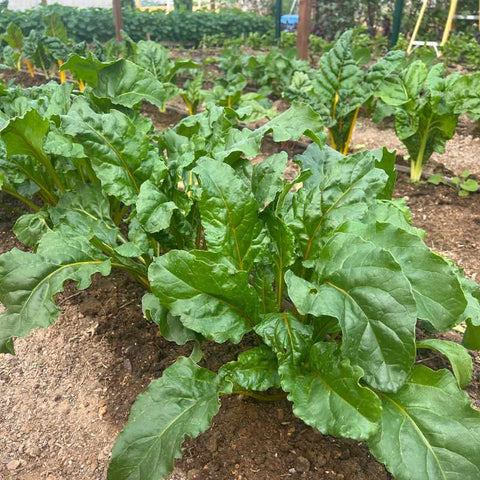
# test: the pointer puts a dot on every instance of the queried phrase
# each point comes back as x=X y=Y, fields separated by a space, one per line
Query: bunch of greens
x=427 y=106
x=340 y=87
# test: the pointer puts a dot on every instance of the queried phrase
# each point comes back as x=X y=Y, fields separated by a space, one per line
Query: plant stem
x=261 y=397
x=350 y=131
x=416 y=165
x=23 y=199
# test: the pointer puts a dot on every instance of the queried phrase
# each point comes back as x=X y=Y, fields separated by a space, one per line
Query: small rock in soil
x=302 y=464
x=194 y=474
x=13 y=464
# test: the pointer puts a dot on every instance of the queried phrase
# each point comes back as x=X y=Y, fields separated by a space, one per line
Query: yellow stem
x=30 y=68
x=63 y=77
x=350 y=132
x=332 y=140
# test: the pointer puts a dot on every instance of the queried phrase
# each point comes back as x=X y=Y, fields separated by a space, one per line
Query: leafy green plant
x=340 y=87
x=226 y=248
x=12 y=53
x=427 y=105
x=462 y=184
x=192 y=93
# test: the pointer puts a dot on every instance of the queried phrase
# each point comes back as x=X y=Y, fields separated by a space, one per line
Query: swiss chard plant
x=323 y=272
x=340 y=87
x=427 y=106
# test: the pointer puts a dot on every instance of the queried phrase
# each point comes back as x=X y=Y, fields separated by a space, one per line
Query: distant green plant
x=427 y=106
x=187 y=27
x=463 y=184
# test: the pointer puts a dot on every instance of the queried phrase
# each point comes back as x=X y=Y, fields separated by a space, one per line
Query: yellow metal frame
x=448 y=26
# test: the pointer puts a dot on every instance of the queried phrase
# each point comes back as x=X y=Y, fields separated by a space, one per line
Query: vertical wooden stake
x=303 y=31
x=212 y=5
x=118 y=18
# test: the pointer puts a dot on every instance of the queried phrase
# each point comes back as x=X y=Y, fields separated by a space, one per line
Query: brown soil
x=68 y=391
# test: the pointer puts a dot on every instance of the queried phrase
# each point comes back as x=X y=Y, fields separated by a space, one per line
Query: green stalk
x=417 y=164
x=23 y=199
x=261 y=397
x=48 y=165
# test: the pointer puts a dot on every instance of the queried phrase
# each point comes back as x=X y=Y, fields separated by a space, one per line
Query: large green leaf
x=463 y=95
x=13 y=36
x=365 y=289
x=85 y=68
x=28 y=282
x=429 y=430
x=430 y=135
x=457 y=355
x=255 y=369
x=127 y=84
x=399 y=89
x=24 y=135
x=119 y=149
x=182 y=402
x=229 y=213
x=338 y=78
x=394 y=211
x=298 y=120
x=424 y=269
x=344 y=188
x=327 y=395
x=208 y=294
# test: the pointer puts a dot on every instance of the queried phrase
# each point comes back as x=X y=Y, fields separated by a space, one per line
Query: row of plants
x=227 y=249
x=425 y=102
x=184 y=27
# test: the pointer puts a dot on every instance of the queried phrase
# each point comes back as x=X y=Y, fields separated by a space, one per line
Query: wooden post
x=212 y=5
x=303 y=31
x=117 y=18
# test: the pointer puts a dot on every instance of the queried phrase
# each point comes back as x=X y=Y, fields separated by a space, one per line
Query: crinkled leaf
x=229 y=213
x=182 y=402
x=428 y=429
x=424 y=269
x=85 y=68
x=327 y=395
x=300 y=119
x=170 y=327
x=343 y=191
x=363 y=286
x=127 y=84
x=28 y=282
x=209 y=296
x=24 y=135
x=286 y=336
x=120 y=152
x=85 y=212
x=31 y=227
x=154 y=210
x=255 y=369
x=394 y=211
x=267 y=178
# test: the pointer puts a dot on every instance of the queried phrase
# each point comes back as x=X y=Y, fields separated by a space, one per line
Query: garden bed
x=68 y=392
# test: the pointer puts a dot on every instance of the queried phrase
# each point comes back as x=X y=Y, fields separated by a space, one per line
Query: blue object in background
x=289 y=22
